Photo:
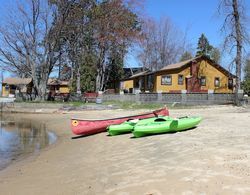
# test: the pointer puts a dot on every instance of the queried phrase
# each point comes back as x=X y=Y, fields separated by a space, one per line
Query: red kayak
x=88 y=127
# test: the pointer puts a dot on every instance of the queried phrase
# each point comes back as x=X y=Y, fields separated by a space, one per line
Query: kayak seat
x=133 y=120
x=160 y=120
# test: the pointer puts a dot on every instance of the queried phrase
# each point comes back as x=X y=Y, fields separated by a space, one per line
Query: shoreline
x=208 y=159
x=25 y=157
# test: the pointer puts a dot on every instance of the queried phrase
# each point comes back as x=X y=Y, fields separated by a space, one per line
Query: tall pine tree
x=204 y=48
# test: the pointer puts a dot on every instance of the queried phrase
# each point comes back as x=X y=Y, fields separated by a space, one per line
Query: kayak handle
x=183 y=117
x=156 y=115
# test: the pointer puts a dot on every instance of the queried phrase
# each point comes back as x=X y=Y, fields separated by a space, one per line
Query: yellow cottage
x=11 y=85
x=56 y=86
x=198 y=75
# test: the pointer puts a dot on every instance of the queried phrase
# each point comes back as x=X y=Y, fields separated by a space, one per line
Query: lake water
x=21 y=138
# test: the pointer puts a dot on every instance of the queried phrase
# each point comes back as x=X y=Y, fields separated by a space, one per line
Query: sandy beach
x=213 y=158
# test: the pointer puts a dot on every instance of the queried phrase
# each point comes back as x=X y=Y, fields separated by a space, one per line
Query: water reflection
x=19 y=138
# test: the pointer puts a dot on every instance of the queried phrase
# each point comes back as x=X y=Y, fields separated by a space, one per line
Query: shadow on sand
x=119 y=134
x=173 y=132
x=81 y=136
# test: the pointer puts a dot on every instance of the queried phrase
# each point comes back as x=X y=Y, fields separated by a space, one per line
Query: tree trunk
x=78 y=81
x=100 y=77
x=239 y=50
x=42 y=91
x=99 y=80
x=40 y=81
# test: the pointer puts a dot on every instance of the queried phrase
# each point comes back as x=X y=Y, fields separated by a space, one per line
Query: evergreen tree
x=204 y=48
x=246 y=82
x=247 y=70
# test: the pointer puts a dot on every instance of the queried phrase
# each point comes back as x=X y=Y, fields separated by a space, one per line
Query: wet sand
x=213 y=158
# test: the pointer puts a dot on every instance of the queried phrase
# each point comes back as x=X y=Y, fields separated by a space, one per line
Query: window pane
x=166 y=80
x=203 y=81
x=180 y=79
x=217 y=82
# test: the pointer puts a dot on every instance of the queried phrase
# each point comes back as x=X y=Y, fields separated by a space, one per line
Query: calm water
x=20 y=138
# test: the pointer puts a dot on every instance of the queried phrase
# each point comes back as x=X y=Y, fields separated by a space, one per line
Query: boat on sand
x=88 y=126
x=165 y=125
x=128 y=126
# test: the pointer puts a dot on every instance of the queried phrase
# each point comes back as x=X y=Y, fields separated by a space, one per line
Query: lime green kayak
x=185 y=123
x=155 y=127
x=128 y=126
x=125 y=127
x=167 y=126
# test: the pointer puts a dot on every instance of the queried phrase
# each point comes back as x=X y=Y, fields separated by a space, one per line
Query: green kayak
x=186 y=122
x=156 y=127
x=165 y=126
x=125 y=127
x=128 y=126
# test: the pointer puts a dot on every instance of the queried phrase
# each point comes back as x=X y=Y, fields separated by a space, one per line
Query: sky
x=195 y=16
x=198 y=16
x=192 y=16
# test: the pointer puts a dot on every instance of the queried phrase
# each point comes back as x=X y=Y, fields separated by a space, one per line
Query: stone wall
x=182 y=98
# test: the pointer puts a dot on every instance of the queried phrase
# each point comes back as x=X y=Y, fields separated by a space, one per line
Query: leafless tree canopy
x=234 y=28
x=162 y=44
x=29 y=43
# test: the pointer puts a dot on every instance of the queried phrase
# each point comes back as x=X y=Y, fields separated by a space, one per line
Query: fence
x=182 y=98
x=209 y=98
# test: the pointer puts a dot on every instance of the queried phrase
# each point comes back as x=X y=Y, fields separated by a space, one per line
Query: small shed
x=58 y=87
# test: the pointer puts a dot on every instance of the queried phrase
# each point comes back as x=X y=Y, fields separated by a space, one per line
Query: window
x=216 y=81
x=180 y=79
x=203 y=81
x=166 y=80
x=13 y=87
x=7 y=87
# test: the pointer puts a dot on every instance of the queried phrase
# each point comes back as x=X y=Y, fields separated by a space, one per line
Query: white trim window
x=166 y=80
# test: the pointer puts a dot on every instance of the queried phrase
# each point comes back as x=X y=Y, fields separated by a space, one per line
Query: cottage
x=56 y=86
x=11 y=86
x=197 y=75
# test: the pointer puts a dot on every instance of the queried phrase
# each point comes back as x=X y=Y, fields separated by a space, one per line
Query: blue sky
x=195 y=16
x=199 y=16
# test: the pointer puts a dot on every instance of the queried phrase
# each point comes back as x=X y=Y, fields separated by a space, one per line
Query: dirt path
x=214 y=158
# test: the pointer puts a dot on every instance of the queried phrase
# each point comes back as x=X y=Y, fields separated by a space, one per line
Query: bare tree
x=235 y=35
x=116 y=27
x=162 y=44
x=29 y=43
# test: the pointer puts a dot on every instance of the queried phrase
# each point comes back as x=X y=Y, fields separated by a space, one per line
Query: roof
x=128 y=72
x=179 y=64
x=26 y=81
x=17 y=81
x=188 y=62
x=183 y=64
x=139 y=74
x=54 y=81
